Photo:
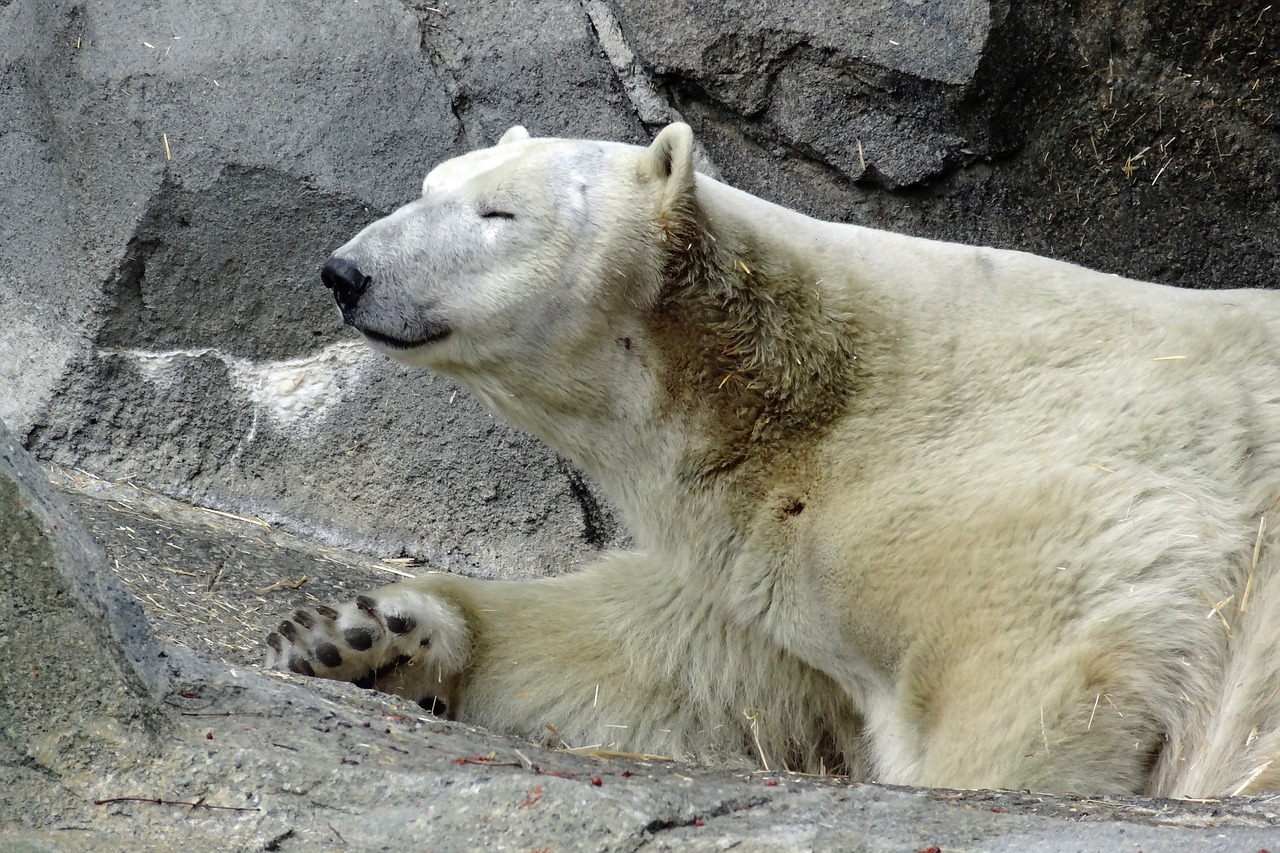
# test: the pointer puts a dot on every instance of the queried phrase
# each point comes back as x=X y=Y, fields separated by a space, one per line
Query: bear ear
x=668 y=163
x=515 y=134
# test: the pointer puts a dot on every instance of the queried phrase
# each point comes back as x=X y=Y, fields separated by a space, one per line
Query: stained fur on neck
x=753 y=353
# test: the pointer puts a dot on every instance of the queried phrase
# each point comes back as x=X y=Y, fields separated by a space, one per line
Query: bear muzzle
x=347 y=283
x=418 y=327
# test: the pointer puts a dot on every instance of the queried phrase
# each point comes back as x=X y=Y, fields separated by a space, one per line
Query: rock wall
x=80 y=676
x=173 y=174
x=112 y=743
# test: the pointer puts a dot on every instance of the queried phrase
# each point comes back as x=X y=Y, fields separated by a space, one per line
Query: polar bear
x=917 y=512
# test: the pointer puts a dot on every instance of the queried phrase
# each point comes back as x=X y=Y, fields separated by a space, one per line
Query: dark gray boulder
x=80 y=673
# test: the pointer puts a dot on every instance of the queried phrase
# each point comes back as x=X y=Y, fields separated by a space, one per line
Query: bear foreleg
x=616 y=657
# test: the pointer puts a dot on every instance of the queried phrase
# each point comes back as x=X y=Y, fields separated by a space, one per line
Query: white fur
x=1004 y=544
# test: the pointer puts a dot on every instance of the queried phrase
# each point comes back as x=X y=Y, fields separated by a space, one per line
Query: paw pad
x=360 y=639
x=328 y=654
x=401 y=624
x=400 y=639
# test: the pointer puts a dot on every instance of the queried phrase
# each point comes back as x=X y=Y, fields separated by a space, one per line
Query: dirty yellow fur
x=924 y=513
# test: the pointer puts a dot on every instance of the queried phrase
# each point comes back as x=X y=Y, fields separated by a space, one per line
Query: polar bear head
x=515 y=255
x=575 y=284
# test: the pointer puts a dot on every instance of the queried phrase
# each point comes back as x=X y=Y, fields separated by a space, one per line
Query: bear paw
x=395 y=639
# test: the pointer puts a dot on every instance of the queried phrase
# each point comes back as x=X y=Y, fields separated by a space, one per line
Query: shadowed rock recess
x=172 y=175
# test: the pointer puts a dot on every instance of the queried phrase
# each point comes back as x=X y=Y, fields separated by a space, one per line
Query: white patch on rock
x=289 y=391
x=300 y=387
x=161 y=367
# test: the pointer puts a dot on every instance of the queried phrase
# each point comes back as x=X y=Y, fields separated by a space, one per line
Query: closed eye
x=497 y=214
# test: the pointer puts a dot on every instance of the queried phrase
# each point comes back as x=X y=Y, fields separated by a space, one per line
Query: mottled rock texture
x=176 y=172
x=172 y=174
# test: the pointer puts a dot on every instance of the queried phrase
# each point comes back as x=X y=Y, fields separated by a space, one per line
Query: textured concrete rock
x=172 y=175
x=183 y=169
x=231 y=759
x=1136 y=138
x=209 y=158
x=873 y=89
x=80 y=674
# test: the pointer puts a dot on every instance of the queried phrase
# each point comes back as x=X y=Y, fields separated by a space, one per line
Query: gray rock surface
x=196 y=165
x=168 y=749
x=82 y=676
x=173 y=174
x=182 y=171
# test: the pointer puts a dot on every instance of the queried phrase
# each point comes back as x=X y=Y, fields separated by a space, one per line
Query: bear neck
x=759 y=359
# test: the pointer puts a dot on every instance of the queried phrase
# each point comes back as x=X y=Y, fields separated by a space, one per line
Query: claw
x=303 y=618
x=369 y=606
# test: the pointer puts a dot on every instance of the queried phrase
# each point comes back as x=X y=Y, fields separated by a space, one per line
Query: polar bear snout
x=347 y=283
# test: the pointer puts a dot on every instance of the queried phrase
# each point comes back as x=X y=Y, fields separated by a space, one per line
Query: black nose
x=347 y=283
